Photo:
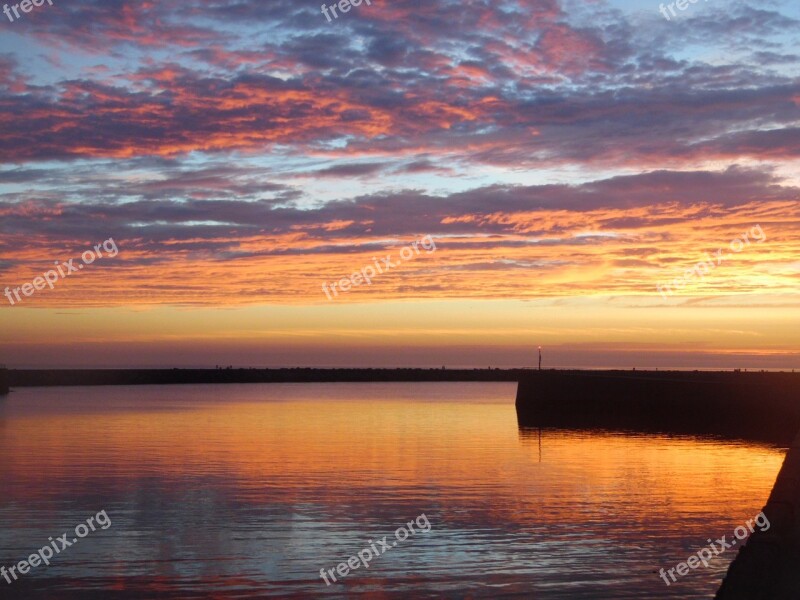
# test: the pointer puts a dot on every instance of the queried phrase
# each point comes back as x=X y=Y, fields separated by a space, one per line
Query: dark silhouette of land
x=70 y=377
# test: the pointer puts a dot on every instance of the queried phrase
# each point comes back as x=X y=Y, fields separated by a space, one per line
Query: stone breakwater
x=753 y=406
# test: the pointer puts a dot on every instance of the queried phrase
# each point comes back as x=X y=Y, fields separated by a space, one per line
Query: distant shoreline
x=100 y=377
x=97 y=377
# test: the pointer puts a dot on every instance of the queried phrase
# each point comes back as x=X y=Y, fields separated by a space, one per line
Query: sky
x=618 y=186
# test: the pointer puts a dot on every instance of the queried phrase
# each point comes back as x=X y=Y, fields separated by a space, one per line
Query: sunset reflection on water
x=249 y=490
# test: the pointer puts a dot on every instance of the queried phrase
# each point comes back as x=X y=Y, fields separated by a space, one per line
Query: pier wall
x=755 y=406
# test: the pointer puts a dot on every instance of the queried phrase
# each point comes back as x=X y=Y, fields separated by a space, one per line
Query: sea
x=368 y=490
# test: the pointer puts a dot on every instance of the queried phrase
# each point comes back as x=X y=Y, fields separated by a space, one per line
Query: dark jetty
x=4 y=387
x=756 y=406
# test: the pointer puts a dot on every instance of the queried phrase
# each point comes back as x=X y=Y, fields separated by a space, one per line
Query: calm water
x=247 y=491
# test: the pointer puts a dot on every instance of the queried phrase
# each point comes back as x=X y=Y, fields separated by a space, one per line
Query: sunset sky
x=565 y=158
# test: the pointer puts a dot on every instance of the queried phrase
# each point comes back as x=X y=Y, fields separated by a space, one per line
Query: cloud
x=619 y=235
x=240 y=151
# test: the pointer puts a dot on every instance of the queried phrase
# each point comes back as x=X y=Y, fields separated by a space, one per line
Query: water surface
x=246 y=491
